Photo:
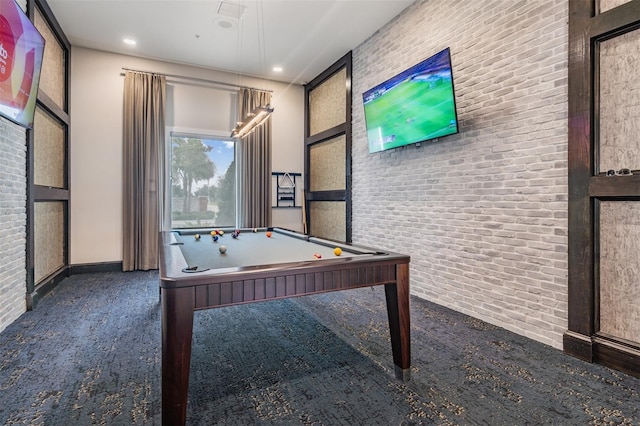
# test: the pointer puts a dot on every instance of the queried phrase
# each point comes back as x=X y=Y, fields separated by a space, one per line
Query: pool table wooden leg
x=400 y=322
x=177 y=330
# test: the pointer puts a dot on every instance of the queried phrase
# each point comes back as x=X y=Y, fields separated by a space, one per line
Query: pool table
x=258 y=265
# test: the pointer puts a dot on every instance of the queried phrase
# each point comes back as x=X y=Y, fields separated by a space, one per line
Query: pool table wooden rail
x=173 y=262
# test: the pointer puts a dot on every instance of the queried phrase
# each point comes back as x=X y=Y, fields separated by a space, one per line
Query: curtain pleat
x=143 y=164
x=255 y=155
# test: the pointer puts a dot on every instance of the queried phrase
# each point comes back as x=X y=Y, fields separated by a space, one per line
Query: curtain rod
x=202 y=80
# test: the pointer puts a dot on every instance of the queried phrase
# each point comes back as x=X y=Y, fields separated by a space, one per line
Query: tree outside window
x=203 y=182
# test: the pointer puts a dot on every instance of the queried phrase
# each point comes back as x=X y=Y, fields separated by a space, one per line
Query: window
x=203 y=181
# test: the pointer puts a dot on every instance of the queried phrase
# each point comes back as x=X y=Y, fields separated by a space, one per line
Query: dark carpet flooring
x=90 y=354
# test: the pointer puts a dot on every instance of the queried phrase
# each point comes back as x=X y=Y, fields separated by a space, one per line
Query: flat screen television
x=414 y=106
x=21 y=51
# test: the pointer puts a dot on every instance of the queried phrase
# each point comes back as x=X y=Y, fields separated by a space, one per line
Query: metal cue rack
x=286 y=188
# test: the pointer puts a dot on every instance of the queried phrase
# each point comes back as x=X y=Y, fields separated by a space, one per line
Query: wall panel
x=327 y=165
x=620 y=269
x=52 y=77
x=50 y=231
x=619 y=111
x=327 y=103
x=327 y=219
x=49 y=151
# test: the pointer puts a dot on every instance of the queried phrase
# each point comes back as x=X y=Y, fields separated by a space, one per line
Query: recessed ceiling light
x=129 y=41
x=277 y=69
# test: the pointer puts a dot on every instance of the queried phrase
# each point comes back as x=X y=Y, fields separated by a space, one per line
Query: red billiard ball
x=268 y=234
x=317 y=255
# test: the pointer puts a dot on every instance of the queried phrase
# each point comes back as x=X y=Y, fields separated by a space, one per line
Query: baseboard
x=618 y=355
x=578 y=345
x=611 y=352
x=89 y=268
x=45 y=286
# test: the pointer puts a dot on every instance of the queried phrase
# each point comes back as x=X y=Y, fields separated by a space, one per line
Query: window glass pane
x=203 y=182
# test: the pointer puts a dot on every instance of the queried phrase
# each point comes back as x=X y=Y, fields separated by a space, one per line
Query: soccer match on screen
x=416 y=105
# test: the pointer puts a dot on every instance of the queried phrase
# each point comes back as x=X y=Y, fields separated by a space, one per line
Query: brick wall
x=13 y=218
x=482 y=213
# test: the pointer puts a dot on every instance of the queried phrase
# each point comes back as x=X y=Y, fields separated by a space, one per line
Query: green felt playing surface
x=251 y=249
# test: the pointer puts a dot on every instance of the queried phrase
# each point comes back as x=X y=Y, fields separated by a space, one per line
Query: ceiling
x=249 y=37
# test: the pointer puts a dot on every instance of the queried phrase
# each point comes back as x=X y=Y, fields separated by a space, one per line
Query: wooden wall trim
x=580 y=291
x=588 y=185
x=36 y=193
x=618 y=20
x=345 y=128
x=91 y=268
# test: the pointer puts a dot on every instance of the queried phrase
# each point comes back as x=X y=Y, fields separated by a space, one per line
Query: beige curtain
x=143 y=158
x=255 y=161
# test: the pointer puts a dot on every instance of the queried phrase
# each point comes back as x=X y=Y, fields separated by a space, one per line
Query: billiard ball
x=215 y=238
x=197 y=237
x=223 y=249
x=268 y=234
x=255 y=229
x=317 y=255
x=234 y=235
x=221 y=232
x=337 y=251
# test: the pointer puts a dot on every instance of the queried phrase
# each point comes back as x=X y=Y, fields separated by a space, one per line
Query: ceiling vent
x=230 y=10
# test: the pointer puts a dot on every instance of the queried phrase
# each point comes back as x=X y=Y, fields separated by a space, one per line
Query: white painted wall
x=96 y=139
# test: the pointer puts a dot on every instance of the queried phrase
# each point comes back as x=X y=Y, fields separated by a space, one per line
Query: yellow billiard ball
x=337 y=251
x=214 y=233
